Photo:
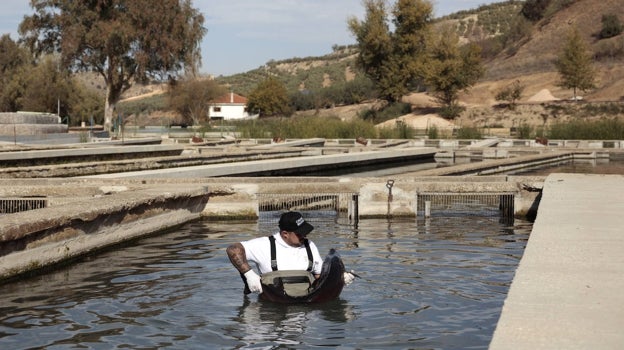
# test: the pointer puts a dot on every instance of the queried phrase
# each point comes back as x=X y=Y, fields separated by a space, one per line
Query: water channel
x=436 y=283
x=426 y=284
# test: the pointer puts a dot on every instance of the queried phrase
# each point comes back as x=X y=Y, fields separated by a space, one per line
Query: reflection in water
x=267 y=324
x=577 y=166
x=581 y=166
x=436 y=283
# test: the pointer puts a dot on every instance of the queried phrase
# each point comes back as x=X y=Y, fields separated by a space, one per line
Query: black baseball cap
x=293 y=221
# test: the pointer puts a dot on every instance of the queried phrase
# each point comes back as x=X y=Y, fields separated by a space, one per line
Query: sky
x=246 y=34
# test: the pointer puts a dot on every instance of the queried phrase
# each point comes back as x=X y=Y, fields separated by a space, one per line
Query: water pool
x=437 y=283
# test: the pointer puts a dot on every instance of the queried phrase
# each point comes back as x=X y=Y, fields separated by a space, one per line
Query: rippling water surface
x=426 y=284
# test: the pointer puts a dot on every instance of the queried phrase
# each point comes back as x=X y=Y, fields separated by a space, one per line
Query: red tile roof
x=231 y=98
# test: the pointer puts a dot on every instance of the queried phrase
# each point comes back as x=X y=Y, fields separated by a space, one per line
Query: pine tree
x=575 y=64
x=451 y=69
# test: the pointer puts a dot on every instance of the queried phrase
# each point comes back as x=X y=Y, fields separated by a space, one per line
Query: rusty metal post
x=389 y=185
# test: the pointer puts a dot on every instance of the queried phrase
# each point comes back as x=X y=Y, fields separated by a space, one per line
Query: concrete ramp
x=484 y=143
x=568 y=291
x=315 y=142
x=89 y=152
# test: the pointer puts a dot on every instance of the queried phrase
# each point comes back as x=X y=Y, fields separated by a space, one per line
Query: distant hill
x=533 y=59
x=528 y=58
x=300 y=73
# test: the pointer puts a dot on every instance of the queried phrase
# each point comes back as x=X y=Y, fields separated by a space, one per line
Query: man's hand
x=253 y=281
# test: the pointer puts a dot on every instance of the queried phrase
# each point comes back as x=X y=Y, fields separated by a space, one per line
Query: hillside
x=532 y=62
x=529 y=60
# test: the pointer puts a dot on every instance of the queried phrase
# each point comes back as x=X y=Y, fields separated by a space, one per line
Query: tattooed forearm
x=236 y=253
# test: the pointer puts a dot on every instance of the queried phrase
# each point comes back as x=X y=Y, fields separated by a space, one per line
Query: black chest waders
x=293 y=283
x=295 y=278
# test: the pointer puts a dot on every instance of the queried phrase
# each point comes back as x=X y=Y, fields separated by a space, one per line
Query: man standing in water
x=288 y=249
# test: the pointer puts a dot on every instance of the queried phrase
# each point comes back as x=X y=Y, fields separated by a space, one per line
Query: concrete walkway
x=312 y=162
x=568 y=291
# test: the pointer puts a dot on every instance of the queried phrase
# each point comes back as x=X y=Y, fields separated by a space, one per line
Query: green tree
x=534 y=10
x=374 y=41
x=510 y=94
x=47 y=89
x=394 y=61
x=451 y=69
x=122 y=40
x=357 y=90
x=575 y=64
x=269 y=98
x=192 y=98
x=85 y=103
x=13 y=63
x=43 y=87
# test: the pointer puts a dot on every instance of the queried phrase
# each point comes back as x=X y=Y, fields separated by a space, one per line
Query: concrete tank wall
x=29 y=118
x=30 y=123
x=86 y=215
x=83 y=218
x=239 y=197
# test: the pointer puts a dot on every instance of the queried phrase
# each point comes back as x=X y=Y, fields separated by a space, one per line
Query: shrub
x=490 y=47
x=305 y=127
x=368 y=114
x=609 y=49
x=472 y=133
x=603 y=129
x=602 y=109
x=525 y=131
x=432 y=133
x=399 y=131
x=450 y=111
x=302 y=100
x=339 y=93
x=511 y=94
x=390 y=111
x=611 y=26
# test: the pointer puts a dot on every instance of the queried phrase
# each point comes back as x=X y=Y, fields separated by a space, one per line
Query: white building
x=230 y=106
